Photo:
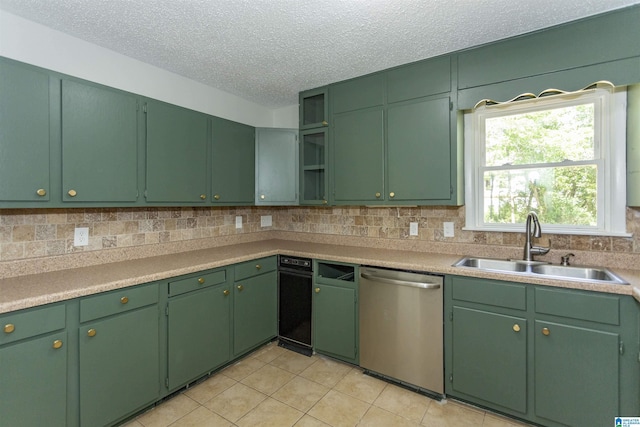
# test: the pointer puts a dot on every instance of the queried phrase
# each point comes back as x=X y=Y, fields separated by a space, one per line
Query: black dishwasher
x=295 y=285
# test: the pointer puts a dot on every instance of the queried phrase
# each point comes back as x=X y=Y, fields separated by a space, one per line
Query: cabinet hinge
x=166 y=382
x=144 y=108
x=451 y=316
x=166 y=310
x=451 y=378
x=621 y=348
x=450 y=106
x=451 y=190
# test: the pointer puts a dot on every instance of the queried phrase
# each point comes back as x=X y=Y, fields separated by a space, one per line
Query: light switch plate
x=81 y=236
x=413 y=229
x=265 y=221
x=238 y=222
x=448 y=229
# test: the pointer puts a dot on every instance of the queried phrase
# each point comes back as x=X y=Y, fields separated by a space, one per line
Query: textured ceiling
x=266 y=51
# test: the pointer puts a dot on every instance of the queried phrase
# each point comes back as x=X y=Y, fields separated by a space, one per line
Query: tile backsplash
x=32 y=233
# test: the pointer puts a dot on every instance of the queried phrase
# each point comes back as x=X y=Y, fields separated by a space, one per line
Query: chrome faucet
x=529 y=249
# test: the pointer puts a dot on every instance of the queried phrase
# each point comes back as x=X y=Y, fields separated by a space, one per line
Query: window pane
x=561 y=195
x=547 y=136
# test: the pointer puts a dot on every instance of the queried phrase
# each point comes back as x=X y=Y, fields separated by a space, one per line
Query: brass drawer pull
x=240 y=288
x=392 y=195
x=41 y=192
x=317 y=290
x=516 y=328
x=258 y=266
x=9 y=327
x=546 y=332
x=217 y=197
x=203 y=196
x=57 y=344
x=225 y=292
x=72 y=193
x=124 y=300
x=378 y=195
x=201 y=280
x=91 y=332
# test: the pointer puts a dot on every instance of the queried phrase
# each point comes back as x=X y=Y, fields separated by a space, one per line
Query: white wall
x=29 y=42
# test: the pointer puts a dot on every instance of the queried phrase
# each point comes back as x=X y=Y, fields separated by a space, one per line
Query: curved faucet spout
x=529 y=249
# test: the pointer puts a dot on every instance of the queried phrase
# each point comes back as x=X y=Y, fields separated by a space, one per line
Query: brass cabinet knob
x=124 y=300
x=324 y=201
x=72 y=193
x=258 y=266
x=240 y=288
x=203 y=196
x=91 y=332
x=217 y=197
x=262 y=197
x=325 y=123
x=225 y=292
x=201 y=280
x=378 y=195
x=516 y=328
x=392 y=194
x=317 y=290
x=41 y=192
x=57 y=344
x=8 y=328
x=546 y=332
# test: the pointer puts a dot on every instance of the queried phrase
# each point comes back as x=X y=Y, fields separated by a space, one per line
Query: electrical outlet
x=238 y=222
x=448 y=229
x=413 y=229
x=81 y=236
x=265 y=221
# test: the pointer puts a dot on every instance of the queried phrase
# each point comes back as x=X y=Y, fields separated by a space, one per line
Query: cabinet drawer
x=257 y=266
x=29 y=323
x=578 y=305
x=118 y=301
x=196 y=282
x=499 y=294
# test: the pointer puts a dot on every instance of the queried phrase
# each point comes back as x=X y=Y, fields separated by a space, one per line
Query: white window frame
x=610 y=146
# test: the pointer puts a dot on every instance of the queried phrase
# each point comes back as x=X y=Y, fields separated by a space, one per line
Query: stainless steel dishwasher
x=401 y=327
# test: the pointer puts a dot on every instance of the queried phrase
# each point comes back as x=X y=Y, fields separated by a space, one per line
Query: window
x=560 y=155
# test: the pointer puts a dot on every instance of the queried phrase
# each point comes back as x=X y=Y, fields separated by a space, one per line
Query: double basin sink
x=542 y=269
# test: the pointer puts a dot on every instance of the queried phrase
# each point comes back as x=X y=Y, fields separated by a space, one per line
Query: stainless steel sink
x=541 y=268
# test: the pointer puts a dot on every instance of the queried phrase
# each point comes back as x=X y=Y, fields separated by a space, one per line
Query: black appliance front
x=295 y=285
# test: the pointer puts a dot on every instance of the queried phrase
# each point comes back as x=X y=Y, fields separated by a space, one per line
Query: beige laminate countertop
x=44 y=288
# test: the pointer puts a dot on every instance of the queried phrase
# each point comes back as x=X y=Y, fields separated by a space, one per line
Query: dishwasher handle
x=421 y=285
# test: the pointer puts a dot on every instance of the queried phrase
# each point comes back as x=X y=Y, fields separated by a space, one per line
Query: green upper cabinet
x=313 y=166
x=276 y=166
x=314 y=108
x=358 y=156
x=232 y=163
x=176 y=163
x=99 y=144
x=24 y=133
x=356 y=94
x=419 y=79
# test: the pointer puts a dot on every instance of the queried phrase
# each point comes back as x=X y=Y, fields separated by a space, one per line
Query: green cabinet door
x=119 y=365
x=233 y=162
x=576 y=375
x=276 y=166
x=255 y=311
x=358 y=156
x=177 y=141
x=335 y=321
x=490 y=358
x=314 y=108
x=313 y=167
x=24 y=133
x=99 y=144
x=198 y=333
x=418 y=151
x=33 y=382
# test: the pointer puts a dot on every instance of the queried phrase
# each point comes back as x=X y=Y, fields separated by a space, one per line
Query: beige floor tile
x=243 y=368
x=326 y=371
x=491 y=420
x=268 y=379
x=452 y=414
x=169 y=412
x=309 y=421
x=210 y=388
x=132 y=423
x=271 y=413
x=339 y=410
x=293 y=362
x=300 y=393
x=377 y=417
x=269 y=352
x=235 y=402
x=403 y=402
x=201 y=417
x=361 y=386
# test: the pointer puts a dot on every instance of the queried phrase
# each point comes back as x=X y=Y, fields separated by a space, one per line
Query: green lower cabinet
x=576 y=375
x=33 y=382
x=255 y=311
x=334 y=321
x=198 y=334
x=119 y=365
x=490 y=357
